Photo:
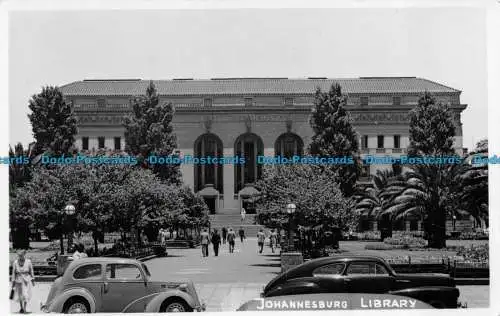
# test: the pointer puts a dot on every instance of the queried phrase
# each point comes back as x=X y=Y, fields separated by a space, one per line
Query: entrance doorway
x=210 y=201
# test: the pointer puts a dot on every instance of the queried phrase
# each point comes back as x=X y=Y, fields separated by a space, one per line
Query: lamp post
x=69 y=211
x=290 y=209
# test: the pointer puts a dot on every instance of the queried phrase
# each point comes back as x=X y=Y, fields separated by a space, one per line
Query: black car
x=363 y=274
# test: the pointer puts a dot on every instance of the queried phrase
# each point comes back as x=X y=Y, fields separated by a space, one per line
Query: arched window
x=208 y=145
x=248 y=146
x=288 y=145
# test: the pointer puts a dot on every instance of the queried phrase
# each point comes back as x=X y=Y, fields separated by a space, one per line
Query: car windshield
x=146 y=270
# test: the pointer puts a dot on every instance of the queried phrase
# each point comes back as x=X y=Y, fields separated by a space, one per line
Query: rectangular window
x=397 y=141
x=85 y=143
x=248 y=101
x=288 y=101
x=363 y=100
x=118 y=143
x=396 y=100
x=380 y=141
x=364 y=142
x=100 y=141
x=101 y=103
x=207 y=102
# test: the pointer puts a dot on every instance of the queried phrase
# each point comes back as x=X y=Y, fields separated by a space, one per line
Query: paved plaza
x=225 y=282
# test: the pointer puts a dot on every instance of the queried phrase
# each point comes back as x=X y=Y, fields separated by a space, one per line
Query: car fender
x=429 y=293
x=294 y=287
x=154 y=305
x=58 y=303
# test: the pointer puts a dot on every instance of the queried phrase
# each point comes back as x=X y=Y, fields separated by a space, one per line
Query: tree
x=432 y=129
x=52 y=122
x=149 y=131
x=373 y=201
x=318 y=200
x=426 y=188
x=334 y=135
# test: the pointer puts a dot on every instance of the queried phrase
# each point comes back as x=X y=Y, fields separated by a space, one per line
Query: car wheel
x=76 y=306
x=175 y=306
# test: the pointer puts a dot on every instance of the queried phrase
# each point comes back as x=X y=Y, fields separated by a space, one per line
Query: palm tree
x=372 y=201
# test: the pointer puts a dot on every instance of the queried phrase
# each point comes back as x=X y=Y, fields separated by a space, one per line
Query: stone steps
x=234 y=221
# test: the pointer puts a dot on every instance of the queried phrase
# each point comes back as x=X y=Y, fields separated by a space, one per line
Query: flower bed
x=406 y=242
x=474 y=235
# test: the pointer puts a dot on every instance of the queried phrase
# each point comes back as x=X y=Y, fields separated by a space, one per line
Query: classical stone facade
x=252 y=117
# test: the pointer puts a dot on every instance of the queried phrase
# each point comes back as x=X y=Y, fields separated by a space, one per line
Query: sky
x=59 y=47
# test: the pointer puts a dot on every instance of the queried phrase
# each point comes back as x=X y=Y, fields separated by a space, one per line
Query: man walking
x=231 y=237
x=224 y=235
x=243 y=214
x=273 y=239
x=260 y=240
x=216 y=242
x=242 y=234
x=205 y=240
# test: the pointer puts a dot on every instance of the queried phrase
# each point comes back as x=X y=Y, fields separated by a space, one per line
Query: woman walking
x=23 y=280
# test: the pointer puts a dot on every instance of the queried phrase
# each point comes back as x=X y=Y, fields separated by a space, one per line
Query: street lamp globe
x=69 y=209
x=290 y=208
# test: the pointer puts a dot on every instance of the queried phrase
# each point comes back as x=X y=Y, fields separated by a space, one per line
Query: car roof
x=103 y=260
x=333 y=259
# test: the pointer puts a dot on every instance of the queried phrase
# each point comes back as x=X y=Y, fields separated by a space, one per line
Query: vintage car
x=113 y=285
x=363 y=274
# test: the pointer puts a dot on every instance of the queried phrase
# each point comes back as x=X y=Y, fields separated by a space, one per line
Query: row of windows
x=380 y=141
x=288 y=101
x=101 y=143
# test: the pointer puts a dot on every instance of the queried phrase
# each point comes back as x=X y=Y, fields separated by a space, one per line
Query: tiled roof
x=253 y=86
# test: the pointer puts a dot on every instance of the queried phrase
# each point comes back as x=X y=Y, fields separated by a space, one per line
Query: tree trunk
x=95 y=237
x=436 y=231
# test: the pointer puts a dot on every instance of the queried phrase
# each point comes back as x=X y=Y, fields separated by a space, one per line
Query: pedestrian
x=260 y=240
x=216 y=242
x=224 y=235
x=23 y=280
x=243 y=214
x=273 y=239
x=205 y=240
x=231 y=238
x=241 y=232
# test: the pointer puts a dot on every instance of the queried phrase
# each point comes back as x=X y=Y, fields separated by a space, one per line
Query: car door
x=330 y=279
x=90 y=277
x=123 y=284
x=367 y=277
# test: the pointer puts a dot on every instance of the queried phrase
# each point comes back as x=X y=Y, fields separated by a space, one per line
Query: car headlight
x=183 y=287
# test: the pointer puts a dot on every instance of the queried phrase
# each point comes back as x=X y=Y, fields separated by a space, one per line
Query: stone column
x=229 y=201
x=187 y=170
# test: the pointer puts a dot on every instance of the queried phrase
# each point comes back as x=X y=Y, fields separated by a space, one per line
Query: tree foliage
x=334 y=135
x=149 y=131
x=318 y=200
x=53 y=122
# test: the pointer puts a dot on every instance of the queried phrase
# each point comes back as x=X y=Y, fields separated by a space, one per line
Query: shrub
x=407 y=242
x=474 y=253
